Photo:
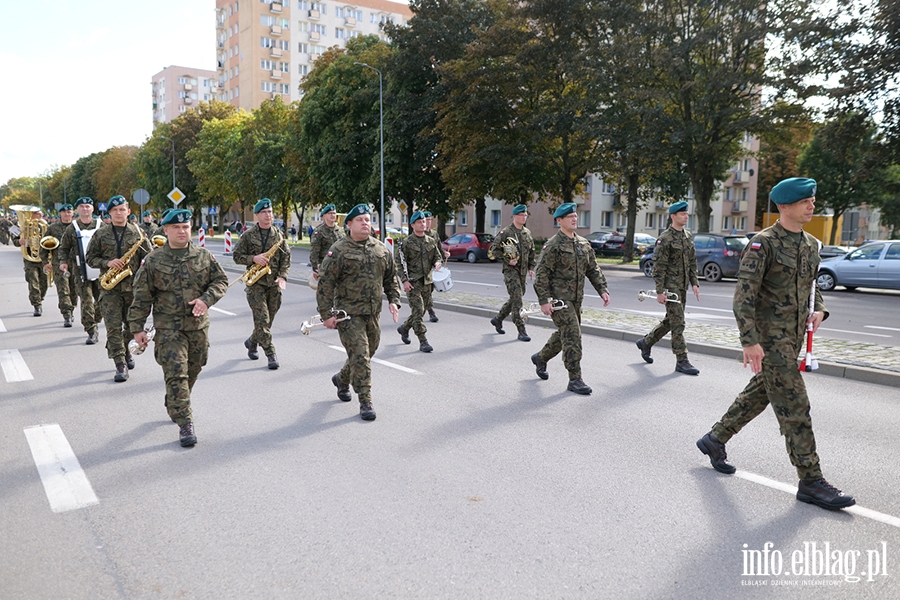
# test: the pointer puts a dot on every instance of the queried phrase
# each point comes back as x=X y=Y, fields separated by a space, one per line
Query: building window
x=650 y=220
x=268 y=20
x=609 y=188
x=742 y=224
x=266 y=64
x=606 y=219
x=727 y=195
x=284 y=67
x=726 y=223
x=237 y=91
x=463 y=218
x=621 y=221
x=495 y=218
x=316 y=49
x=284 y=88
x=266 y=42
x=584 y=219
x=304 y=69
x=744 y=194
x=320 y=29
x=303 y=48
x=302 y=26
x=303 y=4
x=319 y=6
x=339 y=33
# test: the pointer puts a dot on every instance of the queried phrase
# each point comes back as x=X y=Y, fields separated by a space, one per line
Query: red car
x=468 y=246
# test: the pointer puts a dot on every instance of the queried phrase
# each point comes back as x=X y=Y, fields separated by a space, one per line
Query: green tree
x=272 y=174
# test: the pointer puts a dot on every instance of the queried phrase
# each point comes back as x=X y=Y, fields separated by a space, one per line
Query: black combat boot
x=121 y=372
x=273 y=361
x=821 y=493
x=37 y=310
x=431 y=316
x=129 y=360
x=424 y=346
x=404 y=334
x=343 y=389
x=186 y=434
x=645 y=351
x=252 y=351
x=579 y=387
x=67 y=320
x=523 y=337
x=685 y=366
x=540 y=367
x=93 y=338
x=366 y=412
x=498 y=324
x=715 y=450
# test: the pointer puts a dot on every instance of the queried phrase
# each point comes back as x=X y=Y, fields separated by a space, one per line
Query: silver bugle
x=535 y=307
x=316 y=320
x=670 y=296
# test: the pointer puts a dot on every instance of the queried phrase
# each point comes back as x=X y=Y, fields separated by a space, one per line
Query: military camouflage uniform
x=675 y=270
x=114 y=303
x=428 y=290
x=168 y=280
x=67 y=297
x=87 y=290
x=322 y=239
x=560 y=273
x=352 y=278
x=150 y=228
x=264 y=296
x=515 y=277
x=771 y=305
x=35 y=276
x=415 y=258
x=4 y=232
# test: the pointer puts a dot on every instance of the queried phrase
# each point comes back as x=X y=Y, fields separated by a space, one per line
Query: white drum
x=442 y=280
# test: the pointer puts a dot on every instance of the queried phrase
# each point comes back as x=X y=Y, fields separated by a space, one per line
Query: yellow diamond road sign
x=176 y=196
x=402 y=206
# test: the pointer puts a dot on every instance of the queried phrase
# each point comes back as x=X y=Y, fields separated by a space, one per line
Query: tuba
x=32 y=230
x=257 y=272
x=511 y=248
x=50 y=243
x=316 y=320
x=113 y=277
x=535 y=307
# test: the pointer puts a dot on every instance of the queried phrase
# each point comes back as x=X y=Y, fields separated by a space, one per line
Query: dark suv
x=718 y=256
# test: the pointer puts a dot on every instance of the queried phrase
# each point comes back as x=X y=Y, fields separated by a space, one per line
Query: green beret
x=564 y=209
x=146 y=213
x=327 y=209
x=416 y=216
x=84 y=200
x=177 y=215
x=104 y=215
x=116 y=201
x=132 y=218
x=66 y=207
x=519 y=209
x=793 y=190
x=359 y=209
x=262 y=205
x=678 y=207
x=426 y=214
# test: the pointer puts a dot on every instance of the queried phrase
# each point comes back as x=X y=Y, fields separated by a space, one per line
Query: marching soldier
x=179 y=281
x=326 y=234
x=148 y=226
x=34 y=272
x=674 y=270
x=515 y=270
x=354 y=274
x=428 y=295
x=67 y=297
x=771 y=304
x=107 y=249
x=416 y=256
x=4 y=231
x=161 y=230
x=566 y=259
x=104 y=216
x=264 y=245
x=84 y=281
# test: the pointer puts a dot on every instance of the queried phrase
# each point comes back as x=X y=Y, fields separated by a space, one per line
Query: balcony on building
x=188 y=100
x=739 y=206
x=314 y=14
x=275 y=52
x=276 y=30
x=350 y=21
x=188 y=87
x=276 y=74
x=276 y=7
x=315 y=36
x=741 y=176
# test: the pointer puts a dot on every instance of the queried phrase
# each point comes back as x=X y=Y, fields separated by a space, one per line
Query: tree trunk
x=480 y=209
x=631 y=213
x=300 y=216
x=834 y=224
x=703 y=192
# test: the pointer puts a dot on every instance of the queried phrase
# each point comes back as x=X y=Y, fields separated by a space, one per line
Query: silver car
x=875 y=265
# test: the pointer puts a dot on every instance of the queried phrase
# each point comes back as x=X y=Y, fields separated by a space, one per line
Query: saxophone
x=257 y=272
x=114 y=276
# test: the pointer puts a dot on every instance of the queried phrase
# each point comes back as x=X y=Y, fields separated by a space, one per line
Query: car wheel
x=826 y=281
x=712 y=272
x=648 y=268
x=471 y=257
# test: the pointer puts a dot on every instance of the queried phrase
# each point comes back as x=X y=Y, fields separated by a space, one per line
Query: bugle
x=670 y=296
x=135 y=348
x=316 y=320
x=535 y=307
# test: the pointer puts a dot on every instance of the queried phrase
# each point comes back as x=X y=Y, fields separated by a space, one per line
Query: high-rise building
x=264 y=48
x=177 y=89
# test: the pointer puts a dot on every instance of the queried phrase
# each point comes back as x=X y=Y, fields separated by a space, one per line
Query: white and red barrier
x=227 y=242
x=201 y=238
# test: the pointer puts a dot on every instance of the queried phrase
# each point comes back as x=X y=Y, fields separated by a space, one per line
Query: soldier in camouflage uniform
x=4 y=231
x=566 y=259
x=416 y=256
x=180 y=282
x=34 y=273
x=771 y=304
x=67 y=298
x=515 y=270
x=323 y=237
x=674 y=270
x=83 y=284
x=105 y=251
x=354 y=274
x=428 y=291
x=264 y=296
x=148 y=226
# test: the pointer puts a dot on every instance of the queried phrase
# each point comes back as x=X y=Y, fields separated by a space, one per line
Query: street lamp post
x=381 y=226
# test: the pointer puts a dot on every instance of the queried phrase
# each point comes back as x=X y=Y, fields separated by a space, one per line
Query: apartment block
x=177 y=89
x=264 y=48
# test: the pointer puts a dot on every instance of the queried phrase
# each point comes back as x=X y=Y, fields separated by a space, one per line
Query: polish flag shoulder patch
x=755 y=245
x=329 y=253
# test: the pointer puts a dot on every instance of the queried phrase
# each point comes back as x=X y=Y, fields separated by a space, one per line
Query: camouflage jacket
x=68 y=243
x=56 y=230
x=674 y=261
x=149 y=229
x=322 y=239
x=416 y=257
x=103 y=248
x=771 y=299
x=562 y=267
x=168 y=280
x=353 y=276
x=251 y=244
x=524 y=244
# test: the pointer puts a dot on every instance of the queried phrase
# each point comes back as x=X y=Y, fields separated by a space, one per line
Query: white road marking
x=855 y=332
x=383 y=362
x=866 y=326
x=224 y=312
x=784 y=487
x=2 y=327
x=65 y=483
x=724 y=310
x=493 y=285
x=14 y=367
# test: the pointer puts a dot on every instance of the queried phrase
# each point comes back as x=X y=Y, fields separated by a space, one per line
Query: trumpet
x=49 y=243
x=133 y=346
x=535 y=307
x=316 y=320
x=670 y=296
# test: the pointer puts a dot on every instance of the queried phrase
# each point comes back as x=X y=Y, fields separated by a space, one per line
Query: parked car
x=875 y=265
x=596 y=238
x=832 y=251
x=718 y=256
x=468 y=246
x=614 y=245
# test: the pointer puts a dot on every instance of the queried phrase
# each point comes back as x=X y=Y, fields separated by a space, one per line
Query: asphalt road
x=476 y=480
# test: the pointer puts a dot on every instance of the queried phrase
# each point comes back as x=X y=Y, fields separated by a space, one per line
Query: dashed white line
x=14 y=367
x=2 y=327
x=866 y=326
x=476 y=283
x=224 y=312
x=855 y=332
x=65 y=483
x=383 y=362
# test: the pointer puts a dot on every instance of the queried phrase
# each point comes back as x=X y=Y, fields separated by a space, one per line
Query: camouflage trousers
x=416 y=300
x=515 y=286
x=89 y=293
x=360 y=336
x=114 y=309
x=781 y=385
x=566 y=338
x=181 y=354
x=264 y=303
x=4 y=237
x=428 y=296
x=673 y=322
x=65 y=290
x=37 y=282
